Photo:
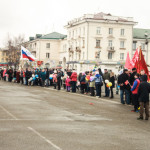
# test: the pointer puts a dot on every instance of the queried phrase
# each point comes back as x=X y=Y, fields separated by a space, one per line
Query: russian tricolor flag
x=25 y=54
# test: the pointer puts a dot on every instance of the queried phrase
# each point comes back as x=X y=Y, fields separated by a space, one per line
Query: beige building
x=46 y=49
x=4 y=57
x=100 y=39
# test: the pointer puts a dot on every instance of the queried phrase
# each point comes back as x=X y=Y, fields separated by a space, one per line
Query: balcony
x=111 y=49
x=70 y=50
x=78 y=49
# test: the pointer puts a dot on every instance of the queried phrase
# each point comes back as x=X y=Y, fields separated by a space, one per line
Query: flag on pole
x=26 y=54
x=141 y=64
x=128 y=64
x=135 y=58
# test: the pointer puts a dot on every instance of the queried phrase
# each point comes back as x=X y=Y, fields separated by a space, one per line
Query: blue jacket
x=98 y=78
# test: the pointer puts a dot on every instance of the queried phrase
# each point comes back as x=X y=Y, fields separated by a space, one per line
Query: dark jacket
x=83 y=80
x=144 y=90
x=132 y=78
x=28 y=74
x=43 y=76
x=59 y=75
x=112 y=80
x=122 y=79
x=47 y=74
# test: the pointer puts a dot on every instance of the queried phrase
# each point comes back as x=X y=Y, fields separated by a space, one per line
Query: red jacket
x=74 y=76
x=68 y=82
x=135 y=91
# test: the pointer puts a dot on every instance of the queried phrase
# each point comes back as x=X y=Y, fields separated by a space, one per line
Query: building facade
x=46 y=49
x=100 y=39
x=4 y=57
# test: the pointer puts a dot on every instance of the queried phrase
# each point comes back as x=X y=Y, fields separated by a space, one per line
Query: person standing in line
x=67 y=82
x=143 y=96
x=59 y=75
x=47 y=77
x=73 y=81
x=43 y=77
x=106 y=76
x=123 y=82
x=10 y=75
x=83 y=83
x=134 y=91
x=21 y=76
x=112 y=80
x=98 y=84
x=55 y=79
x=92 y=85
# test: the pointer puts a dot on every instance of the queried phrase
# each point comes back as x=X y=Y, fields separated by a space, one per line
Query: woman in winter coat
x=112 y=80
x=134 y=91
x=73 y=81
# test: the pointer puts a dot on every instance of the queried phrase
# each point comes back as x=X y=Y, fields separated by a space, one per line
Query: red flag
x=127 y=82
x=128 y=62
x=141 y=64
x=135 y=58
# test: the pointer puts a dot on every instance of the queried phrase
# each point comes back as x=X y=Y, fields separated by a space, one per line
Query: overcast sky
x=30 y=17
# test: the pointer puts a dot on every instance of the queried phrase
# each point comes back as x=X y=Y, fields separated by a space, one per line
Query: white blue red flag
x=26 y=54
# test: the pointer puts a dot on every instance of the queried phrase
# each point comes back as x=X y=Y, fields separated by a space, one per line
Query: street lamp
x=146 y=42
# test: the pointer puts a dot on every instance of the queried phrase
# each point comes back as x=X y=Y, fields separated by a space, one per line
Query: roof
x=141 y=33
x=54 y=35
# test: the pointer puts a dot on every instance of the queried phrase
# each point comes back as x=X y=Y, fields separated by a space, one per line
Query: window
x=83 y=43
x=121 y=56
x=121 y=44
x=97 y=43
x=111 y=31
x=69 y=34
x=47 y=45
x=110 y=55
x=143 y=46
x=110 y=43
x=134 y=45
x=83 y=55
x=47 y=55
x=122 y=32
x=98 y=31
x=84 y=31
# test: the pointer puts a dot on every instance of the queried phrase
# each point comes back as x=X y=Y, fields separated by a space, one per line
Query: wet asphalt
x=37 y=118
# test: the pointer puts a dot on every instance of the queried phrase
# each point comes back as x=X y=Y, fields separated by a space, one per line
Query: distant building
x=141 y=37
x=46 y=49
x=3 y=57
x=100 y=39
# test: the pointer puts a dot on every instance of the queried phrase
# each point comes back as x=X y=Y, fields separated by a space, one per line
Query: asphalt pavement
x=37 y=118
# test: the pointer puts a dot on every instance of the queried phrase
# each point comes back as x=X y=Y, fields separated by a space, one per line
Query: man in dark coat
x=134 y=72
x=10 y=75
x=59 y=75
x=143 y=96
x=124 y=86
x=28 y=74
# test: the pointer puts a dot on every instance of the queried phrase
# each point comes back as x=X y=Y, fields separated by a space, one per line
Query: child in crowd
x=68 y=84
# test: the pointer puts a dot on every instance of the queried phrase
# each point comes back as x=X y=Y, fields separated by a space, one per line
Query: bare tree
x=14 y=47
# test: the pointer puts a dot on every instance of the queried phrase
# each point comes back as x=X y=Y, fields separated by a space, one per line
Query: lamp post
x=146 y=43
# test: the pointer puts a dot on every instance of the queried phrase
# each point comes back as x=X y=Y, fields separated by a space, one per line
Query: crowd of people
x=134 y=88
